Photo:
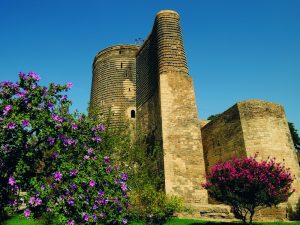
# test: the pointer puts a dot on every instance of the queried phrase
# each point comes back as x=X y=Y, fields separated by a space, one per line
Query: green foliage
x=152 y=206
x=60 y=159
x=215 y=116
x=295 y=136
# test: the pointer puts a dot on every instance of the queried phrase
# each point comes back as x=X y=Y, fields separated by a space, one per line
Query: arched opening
x=132 y=114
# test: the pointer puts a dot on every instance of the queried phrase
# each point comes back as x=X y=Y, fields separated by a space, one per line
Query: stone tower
x=113 y=86
x=150 y=85
x=166 y=107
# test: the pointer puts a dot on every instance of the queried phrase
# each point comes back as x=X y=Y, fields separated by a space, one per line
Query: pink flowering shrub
x=60 y=159
x=246 y=185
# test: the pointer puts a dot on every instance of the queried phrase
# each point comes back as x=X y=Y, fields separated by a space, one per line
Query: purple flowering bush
x=60 y=159
x=247 y=185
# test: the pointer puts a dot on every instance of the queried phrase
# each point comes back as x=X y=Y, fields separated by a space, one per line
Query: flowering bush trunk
x=57 y=157
x=247 y=185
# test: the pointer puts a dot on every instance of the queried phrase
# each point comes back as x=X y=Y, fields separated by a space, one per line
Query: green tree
x=295 y=136
x=214 y=116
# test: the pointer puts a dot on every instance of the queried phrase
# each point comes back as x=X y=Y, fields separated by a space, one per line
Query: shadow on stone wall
x=294 y=214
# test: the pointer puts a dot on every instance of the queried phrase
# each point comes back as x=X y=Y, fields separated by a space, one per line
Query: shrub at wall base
x=248 y=185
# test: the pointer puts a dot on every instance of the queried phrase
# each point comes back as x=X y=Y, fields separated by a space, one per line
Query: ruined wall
x=114 y=83
x=251 y=127
x=223 y=138
x=266 y=132
x=166 y=100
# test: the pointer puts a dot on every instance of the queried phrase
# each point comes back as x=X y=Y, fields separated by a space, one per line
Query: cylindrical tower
x=113 y=90
x=171 y=53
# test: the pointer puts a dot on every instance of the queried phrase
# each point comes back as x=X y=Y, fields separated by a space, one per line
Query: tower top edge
x=117 y=48
x=167 y=12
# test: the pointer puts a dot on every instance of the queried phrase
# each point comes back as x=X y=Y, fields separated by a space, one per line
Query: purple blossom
x=11 y=126
x=64 y=98
x=106 y=159
x=22 y=94
x=55 y=155
x=11 y=181
x=31 y=201
x=68 y=142
x=38 y=202
x=69 y=85
x=1 y=119
x=57 y=176
x=50 y=105
x=124 y=177
x=43 y=187
x=34 y=76
x=86 y=217
x=87 y=157
x=23 y=76
x=74 y=126
x=55 y=117
x=71 y=222
x=25 y=123
x=7 y=109
x=73 y=186
x=123 y=187
x=13 y=202
x=73 y=173
x=95 y=207
x=92 y=183
x=94 y=217
x=71 y=201
x=124 y=221
x=27 y=213
x=108 y=169
x=97 y=139
x=101 y=193
x=100 y=127
x=90 y=150
x=51 y=140
x=61 y=136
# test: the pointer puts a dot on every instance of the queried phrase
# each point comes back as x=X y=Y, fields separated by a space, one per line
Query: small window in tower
x=120 y=52
x=132 y=114
x=121 y=65
x=128 y=89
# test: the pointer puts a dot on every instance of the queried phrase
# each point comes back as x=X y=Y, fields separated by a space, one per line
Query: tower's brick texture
x=113 y=84
x=166 y=107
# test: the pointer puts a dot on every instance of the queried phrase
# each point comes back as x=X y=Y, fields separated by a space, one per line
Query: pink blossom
x=27 y=213
x=7 y=109
x=69 y=85
x=92 y=183
x=11 y=181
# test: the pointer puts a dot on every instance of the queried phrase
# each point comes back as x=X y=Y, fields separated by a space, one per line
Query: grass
x=20 y=220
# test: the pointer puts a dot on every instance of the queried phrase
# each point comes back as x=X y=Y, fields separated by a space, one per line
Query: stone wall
x=223 y=138
x=114 y=83
x=248 y=128
x=266 y=132
x=147 y=100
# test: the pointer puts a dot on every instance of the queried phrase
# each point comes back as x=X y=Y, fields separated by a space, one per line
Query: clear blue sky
x=236 y=50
